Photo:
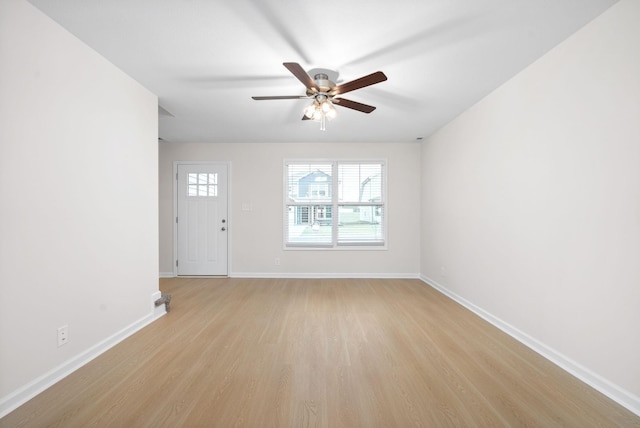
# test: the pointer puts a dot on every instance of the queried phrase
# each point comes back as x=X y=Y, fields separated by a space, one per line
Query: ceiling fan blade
x=281 y=97
x=297 y=70
x=353 y=105
x=304 y=117
x=362 y=82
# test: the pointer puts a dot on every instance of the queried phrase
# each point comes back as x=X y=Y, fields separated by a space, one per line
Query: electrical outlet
x=277 y=262
x=63 y=335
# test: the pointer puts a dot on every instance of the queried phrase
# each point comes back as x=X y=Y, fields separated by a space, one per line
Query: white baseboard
x=287 y=275
x=297 y=275
x=616 y=393
x=17 y=398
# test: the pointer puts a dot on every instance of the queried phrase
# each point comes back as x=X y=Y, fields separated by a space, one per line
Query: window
x=335 y=204
x=202 y=184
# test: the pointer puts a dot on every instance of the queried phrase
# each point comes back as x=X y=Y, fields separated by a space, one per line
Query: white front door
x=202 y=219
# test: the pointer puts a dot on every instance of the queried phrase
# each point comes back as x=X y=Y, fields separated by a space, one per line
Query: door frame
x=175 y=211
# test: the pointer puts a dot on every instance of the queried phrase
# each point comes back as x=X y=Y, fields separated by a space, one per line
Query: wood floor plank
x=318 y=353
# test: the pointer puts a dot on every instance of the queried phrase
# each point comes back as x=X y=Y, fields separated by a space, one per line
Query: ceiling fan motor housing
x=323 y=82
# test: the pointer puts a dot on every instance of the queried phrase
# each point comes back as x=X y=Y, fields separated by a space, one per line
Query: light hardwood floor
x=318 y=353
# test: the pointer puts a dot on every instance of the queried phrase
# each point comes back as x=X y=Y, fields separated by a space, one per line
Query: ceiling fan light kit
x=320 y=110
x=324 y=93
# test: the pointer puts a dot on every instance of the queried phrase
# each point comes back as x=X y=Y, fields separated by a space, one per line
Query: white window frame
x=334 y=245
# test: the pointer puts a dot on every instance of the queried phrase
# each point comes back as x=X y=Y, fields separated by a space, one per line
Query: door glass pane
x=202 y=184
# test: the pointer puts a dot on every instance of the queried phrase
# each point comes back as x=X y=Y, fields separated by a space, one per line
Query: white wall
x=531 y=203
x=78 y=195
x=256 y=236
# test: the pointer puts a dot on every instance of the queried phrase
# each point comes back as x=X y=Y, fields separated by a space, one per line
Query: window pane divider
x=359 y=204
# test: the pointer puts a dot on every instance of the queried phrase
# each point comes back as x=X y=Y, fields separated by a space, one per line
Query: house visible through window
x=333 y=204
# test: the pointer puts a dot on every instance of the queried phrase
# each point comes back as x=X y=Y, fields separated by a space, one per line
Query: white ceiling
x=206 y=58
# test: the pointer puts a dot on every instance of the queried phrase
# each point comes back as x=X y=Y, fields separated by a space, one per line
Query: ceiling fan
x=324 y=93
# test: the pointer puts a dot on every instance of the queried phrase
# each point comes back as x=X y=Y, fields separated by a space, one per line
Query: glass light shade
x=320 y=110
x=331 y=111
x=310 y=110
x=317 y=113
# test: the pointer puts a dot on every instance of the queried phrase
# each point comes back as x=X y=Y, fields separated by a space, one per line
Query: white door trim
x=175 y=209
